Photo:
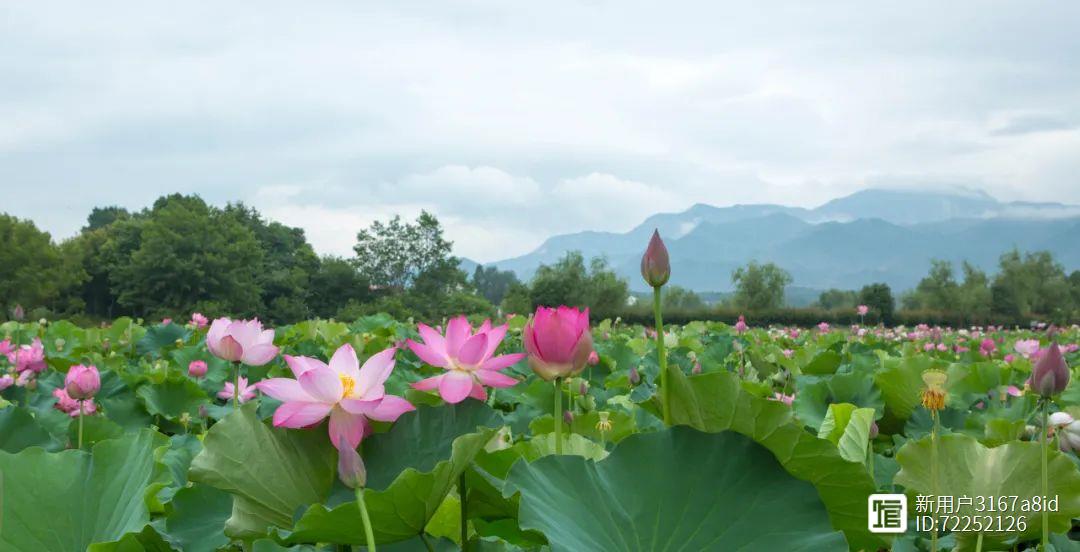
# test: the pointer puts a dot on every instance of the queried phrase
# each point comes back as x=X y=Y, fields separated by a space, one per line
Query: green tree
x=879 y=298
x=838 y=299
x=1031 y=284
x=34 y=272
x=974 y=296
x=937 y=291
x=100 y=217
x=759 y=287
x=335 y=285
x=517 y=300
x=397 y=254
x=679 y=298
x=493 y=283
x=188 y=256
x=569 y=282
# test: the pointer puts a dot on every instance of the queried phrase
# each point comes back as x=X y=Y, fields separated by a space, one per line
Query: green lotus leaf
x=815 y=395
x=848 y=427
x=19 y=430
x=270 y=472
x=967 y=468
x=65 y=501
x=703 y=492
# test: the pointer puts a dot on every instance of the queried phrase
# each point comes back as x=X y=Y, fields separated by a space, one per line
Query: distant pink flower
x=241 y=341
x=348 y=393
x=82 y=382
x=246 y=392
x=6 y=381
x=558 y=341
x=166 y=321
x=1070 y=348
x=987 y=347
x=1009 y=357
x=28 y=357
x=1013 y=391
x=793 y=333
x=823 y=327
x=24 y=378
x=786 y=399
x=942 y=347
x=862 y=310
x=787 y=353
x=197 y=368
x=696 y=369
x=70 y=406
x=1026 y=347
x=928 y=346
x=740 y=325
x=594 y=358
x=467 y=358
x=6 y=347
x=198 y=320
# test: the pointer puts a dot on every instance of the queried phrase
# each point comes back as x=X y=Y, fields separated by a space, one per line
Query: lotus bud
x=655 y=264
x=1050 y=375
x=635 y=378
x=873 y=430
x=17 y=313
x=566 y=338
x=584 y=388
x=82 y=382
x=203 y=411
x=351 y=469
x=197 y=368
x=696 y=369
x=568 y=417
x=594 y=359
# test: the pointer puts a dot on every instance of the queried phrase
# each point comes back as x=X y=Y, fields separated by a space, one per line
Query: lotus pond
x=750 y=439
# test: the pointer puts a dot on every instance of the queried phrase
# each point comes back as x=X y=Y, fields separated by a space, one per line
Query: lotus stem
x=1045 y=475
x=934 y=473
x=80 y=423
x=463 y=492
x=661 y=354
x=423 y=538
x=978 y=542
x=558 y=416
x=366 y=519
x=236 y=388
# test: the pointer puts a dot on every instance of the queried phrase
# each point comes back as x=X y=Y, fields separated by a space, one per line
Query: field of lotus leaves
x=512 y=435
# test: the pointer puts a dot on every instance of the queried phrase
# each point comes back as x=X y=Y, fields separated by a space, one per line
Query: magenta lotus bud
x=350 y=466
x=655 y=264
x=696 y=369
x=583 y=389
x=873 y=430
x=203 y=411
x=594 y=359
x=82 y=382
x=197 y=368
x=568 y=417
x=558 y=341
x=1050 y=375
x=635 y=378
x=17 y=313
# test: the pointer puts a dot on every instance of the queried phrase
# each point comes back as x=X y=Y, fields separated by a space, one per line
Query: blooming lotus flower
x=823 y=327
x=558 y=341
x=246 y=392
x=66 y=404
x=788 y=353
x=467 y=358
x=241 y=341
x=348 y=393
x=1068 y=431
x=1050 y=375
x=6 y=381
x=655 y=263
x=987 y=347
x=197 y=368
x=862 y=310
x=740 y=325
x=1026 y=347
x=198 y=320
x=28 y=357
x=82 y=382
x=6 y=347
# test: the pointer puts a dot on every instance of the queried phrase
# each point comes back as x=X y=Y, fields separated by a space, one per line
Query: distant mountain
x=870 y=236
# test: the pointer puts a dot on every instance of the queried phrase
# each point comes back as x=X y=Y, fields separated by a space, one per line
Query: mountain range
x=874 y=235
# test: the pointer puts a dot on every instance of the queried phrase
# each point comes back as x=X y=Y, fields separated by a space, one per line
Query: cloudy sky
x=516 y=120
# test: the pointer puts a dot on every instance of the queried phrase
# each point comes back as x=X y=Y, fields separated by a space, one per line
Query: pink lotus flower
x=241 y=341
x=197 y=368
x=942 y=347
x=788 y=353
x=1026 y=347
x=786 y=399
x=1009 y=358
x=82 y=382
x=558 y=341
x=166 y=321
x=987 y=347
x=467 y=358
x=73 y=407
x=594 y=358
x=28 y=357
x=823 y=327
x=348 y=393
x=6 y=347
x=198 y=320
x=246 y=392
x=862 y=310
x=6 y=381
x=740 y=325
x=1050 y=375
x=1013 y=391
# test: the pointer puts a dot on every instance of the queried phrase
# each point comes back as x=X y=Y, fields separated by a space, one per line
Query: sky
x=514 y=121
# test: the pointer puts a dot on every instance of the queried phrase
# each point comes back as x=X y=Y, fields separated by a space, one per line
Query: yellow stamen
x=348 y=384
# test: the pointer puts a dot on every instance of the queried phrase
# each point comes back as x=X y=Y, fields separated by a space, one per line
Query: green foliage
x=879 y=298
x=493 y=284
x=759 y=286
x=34 y=272
x=675 y=297
x=838 y=299
x=569 y=282
x=335 y=284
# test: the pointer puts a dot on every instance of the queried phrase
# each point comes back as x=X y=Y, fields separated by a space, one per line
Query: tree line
x=182 y=255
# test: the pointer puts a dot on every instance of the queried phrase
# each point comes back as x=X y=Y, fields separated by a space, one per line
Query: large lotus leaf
x=411 y=469
x=849 y=428
x=678 y=489
x=161 y=337
x=197 y=518
x=19 y=430
x=824 y=363
x=173 y=398
x=68 y=500
x=269 y=471
x=815 y=395
x=715 y=402
x=967 y=468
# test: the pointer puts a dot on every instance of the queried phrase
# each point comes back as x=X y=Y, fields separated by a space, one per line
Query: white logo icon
x=887 y=513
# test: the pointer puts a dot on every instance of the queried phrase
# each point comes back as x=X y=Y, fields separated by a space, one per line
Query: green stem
x=80 y=423
x=463 y=494
x=1045 y=476
x=665 y=393
x=236 y=389
x=934 y=474
x=366 y=519
x=978 y=542
x=558 y=416
x=870 y=460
